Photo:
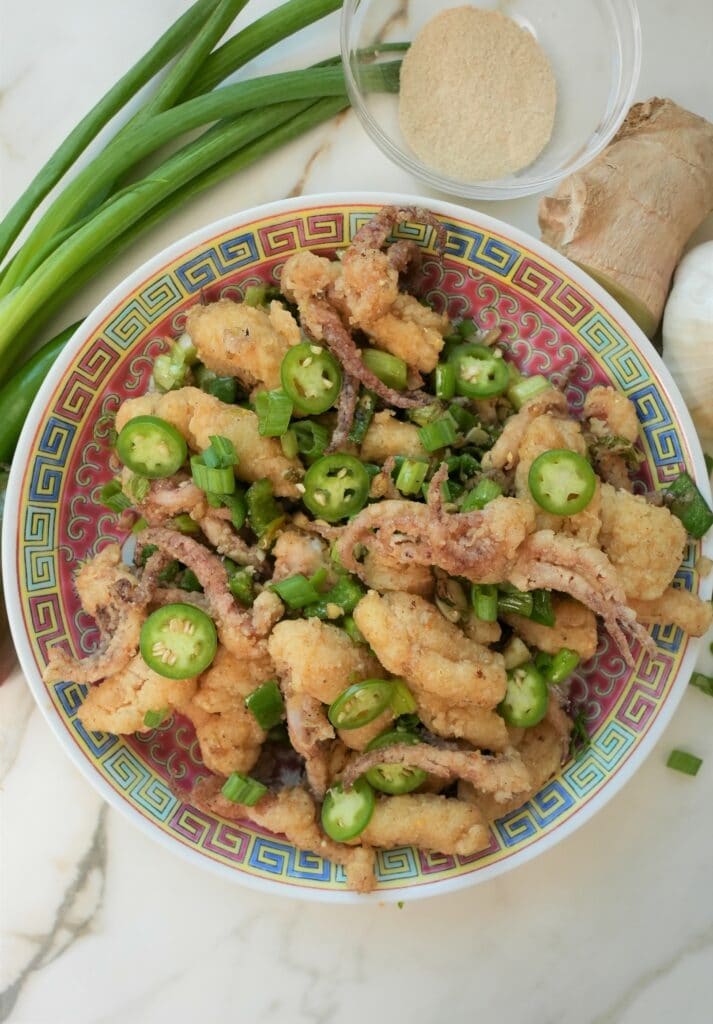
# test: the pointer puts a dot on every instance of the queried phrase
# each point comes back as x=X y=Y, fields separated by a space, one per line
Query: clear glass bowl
x=594 y=47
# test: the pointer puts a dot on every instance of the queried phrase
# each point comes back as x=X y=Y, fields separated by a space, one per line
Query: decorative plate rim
x=590 y=805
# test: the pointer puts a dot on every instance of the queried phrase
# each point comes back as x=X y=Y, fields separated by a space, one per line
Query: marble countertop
x=99 y=924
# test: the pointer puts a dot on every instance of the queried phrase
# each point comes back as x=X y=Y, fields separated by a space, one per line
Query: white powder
x=478 y=95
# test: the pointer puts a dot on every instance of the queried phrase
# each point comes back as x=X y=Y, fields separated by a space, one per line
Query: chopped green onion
x=288 y=443
x=146 y=551
x=221 y=454
x=169 y=571
x=438 y=434
x=522 y=390
x=212 y=479
x=562 y=666
x=681 y=761
x=255 y=295
x=296 y=591
x=223 y=388
x=279 y=734
x=170 y=370
x=113 y=497
x=466 y=328
x=363 y=415
x=342 y=599
x=139 y=525
x=266 y=704
x=484 y=601
x=580 y=738
x=263 y=511
x=688 y=504
x=390 y=370
x=312 y=438
x=240 y=583
x=543 y=663
x=352 y=630
x=402 y=701
x=137 y=486
x=445 y=380
x=424 y=414
x=709 y=462
x=152 y=719
x=485 y=490
x=235 y=502
x=512 y=600
x=703 y=682
x=184 y=524
x=189 y=582
x=274 y=410
x=542 y=610
x=411 y=476
x=462 y=417
x=241 y=789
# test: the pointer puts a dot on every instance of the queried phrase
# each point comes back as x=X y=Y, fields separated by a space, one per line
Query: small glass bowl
x=594 y=47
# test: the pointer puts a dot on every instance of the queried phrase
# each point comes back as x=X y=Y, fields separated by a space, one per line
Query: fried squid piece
x=227 y=541
x=645 y=544
x=198 y=416
x=243 y=341
x=575 y=627
x=297 y=553
x=388 y=436
x=503 y=776
x=678 y=608
x=505 y=452
x=412 y=639
x=228 y=733
x=292 y=813
x=411 y=331
x=613 y=429
x=119 y=703
x=237 y=627
x=541 y=751
x=119 y=602
x=481 y=727
x=429 y=821
x=168 y=498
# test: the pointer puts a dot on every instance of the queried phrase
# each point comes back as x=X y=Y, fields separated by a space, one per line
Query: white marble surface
x=99 y=924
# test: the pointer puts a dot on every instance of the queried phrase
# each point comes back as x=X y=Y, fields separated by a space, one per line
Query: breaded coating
x=411 y=331
x=543 y=434
x=540 y=749
x=304 y=276
x=243 y=341
x=228 y=733
x=645 y=544
x=482 y=728
x=119 y=703
x=383 y=573
x=388 y=436
x=610 y=412
x=198 y=415
x=679 y=608
x=98 y=576
x=296 y=552
x=411 y=638
x=319 y=659
x=482 y=632
x=575 y=627
x=358 y=739
x=292 y=813
x=505 y=452
x=428 y=821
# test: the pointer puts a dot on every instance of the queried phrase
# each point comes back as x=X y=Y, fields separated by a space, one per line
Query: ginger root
x=626 y=216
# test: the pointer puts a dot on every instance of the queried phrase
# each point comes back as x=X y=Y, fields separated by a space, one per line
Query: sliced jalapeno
x=525 y=701
x=360 y=704
x=336 y=486
x=151 y=447
x=311 y=377
x=480 y=373
x=394 y=778
x=345 y=815
x=178 y=641
x=561 y=482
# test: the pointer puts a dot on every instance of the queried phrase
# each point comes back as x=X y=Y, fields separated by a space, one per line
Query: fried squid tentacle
x=346 y=408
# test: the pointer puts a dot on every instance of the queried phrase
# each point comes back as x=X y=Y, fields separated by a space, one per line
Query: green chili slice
x=480 y=372
x=360 y=704
x=336 y=486
x=390 y=370
x=151 y=447
x=311 y=377
x=562 y=482
x=688 y=504
x=525 y=701
x=395 y=779
x=345 y=815
x=178 y=641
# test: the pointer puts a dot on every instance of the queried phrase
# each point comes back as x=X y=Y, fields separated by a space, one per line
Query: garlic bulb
x=688 y=336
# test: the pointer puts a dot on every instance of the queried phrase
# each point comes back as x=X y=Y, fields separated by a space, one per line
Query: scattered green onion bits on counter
x=681 y=761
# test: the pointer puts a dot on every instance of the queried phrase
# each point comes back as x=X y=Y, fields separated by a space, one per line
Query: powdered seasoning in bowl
x=596 y=40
